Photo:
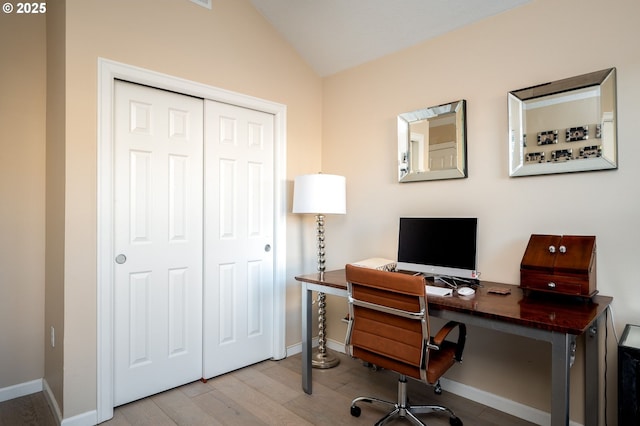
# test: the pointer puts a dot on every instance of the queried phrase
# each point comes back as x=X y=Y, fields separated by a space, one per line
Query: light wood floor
x=270 y=393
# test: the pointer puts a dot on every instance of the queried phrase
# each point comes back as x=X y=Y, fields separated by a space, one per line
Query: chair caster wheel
x=455 y=421
x=437 y=389
x=356 y=411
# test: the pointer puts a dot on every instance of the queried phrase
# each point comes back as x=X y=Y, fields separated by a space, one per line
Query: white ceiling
x=334 y=35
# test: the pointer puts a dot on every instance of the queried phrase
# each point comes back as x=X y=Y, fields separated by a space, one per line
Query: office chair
x=389 y=328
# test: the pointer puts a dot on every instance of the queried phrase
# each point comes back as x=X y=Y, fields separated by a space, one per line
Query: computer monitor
x=438 y=246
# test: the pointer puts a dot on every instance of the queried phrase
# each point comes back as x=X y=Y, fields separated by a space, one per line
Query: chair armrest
x=462 y=336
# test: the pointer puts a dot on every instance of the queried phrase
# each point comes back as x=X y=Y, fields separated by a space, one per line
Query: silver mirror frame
x=552 y=142
x=456 y=111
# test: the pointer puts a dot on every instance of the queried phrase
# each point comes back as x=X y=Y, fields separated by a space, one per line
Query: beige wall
x=481 y=63
x=55 y=202
x=231 y=47
x=48 y=75
x=22 y=187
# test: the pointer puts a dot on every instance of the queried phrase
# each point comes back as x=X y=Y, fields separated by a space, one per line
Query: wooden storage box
x=560 y=264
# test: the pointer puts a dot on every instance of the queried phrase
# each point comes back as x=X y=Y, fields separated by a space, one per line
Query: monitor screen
x=439 y=246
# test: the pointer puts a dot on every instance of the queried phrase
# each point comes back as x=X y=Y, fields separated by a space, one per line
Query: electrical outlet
x=53 y=337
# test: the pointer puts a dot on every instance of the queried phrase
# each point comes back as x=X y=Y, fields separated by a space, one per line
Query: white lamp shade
x=319 y=194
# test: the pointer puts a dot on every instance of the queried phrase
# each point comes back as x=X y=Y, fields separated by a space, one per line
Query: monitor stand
x=454 y=282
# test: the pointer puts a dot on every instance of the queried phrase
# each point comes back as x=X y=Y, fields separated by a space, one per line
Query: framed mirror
x=432 y=143
x=564 y=126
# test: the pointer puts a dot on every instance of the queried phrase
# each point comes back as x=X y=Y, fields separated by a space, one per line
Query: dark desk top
x=561 y=314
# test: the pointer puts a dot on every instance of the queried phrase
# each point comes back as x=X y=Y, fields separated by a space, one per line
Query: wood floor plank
x=182 y=409
x=289 y=378
x=195 y=388
x=144 y=412
x=270 y=393
x=255 y=402
x=328 y=407
x=225 y=410
x=259 y=380
x=26 y=410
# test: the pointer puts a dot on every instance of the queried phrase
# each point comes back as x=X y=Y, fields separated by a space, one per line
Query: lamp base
x=323 y=360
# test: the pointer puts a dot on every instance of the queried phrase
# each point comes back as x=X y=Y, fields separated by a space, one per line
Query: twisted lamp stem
x=322 y=358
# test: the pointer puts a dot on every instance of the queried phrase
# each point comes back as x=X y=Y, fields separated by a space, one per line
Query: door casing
x=108 y=72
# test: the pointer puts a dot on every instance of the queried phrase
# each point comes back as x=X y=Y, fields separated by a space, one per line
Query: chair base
x=402 y=409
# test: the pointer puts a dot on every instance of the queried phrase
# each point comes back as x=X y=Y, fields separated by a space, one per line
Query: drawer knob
x=562 y=249
x=551 y=285
x=552 y=249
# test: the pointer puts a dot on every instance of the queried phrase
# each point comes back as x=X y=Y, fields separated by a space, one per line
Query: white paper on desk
x=433 y=290
x=377 y=263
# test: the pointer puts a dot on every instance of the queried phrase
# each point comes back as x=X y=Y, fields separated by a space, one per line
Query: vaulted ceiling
x=334 y=35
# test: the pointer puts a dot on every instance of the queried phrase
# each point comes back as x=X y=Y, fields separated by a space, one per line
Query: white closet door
x=238 y=291
x=158 y=198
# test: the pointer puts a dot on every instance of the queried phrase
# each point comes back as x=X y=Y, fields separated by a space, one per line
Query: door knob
x=267 y=248
x=120 y=259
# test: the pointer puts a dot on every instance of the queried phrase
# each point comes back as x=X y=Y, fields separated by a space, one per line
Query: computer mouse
x=466 y=291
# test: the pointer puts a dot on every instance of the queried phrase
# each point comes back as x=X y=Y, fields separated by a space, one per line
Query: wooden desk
x=550 y=320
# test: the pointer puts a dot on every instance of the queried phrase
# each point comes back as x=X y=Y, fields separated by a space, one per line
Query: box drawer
x=552 y=283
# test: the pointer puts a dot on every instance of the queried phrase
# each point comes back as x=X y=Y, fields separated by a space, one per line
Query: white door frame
x=108 y=72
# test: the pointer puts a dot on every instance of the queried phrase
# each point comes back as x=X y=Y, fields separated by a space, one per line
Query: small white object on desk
x=433 y=290
x=466 y=291
x=378 y=263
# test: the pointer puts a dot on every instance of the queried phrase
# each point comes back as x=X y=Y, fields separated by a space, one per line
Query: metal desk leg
x=306 y=339
x=592 y=375
x=562 y=349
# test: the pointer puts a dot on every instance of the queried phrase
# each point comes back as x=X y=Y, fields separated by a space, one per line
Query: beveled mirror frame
x=564 y=126
x=424 y=131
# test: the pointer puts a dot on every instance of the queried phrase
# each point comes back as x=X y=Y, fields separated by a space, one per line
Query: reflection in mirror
x=565 y=126
x=432 y=143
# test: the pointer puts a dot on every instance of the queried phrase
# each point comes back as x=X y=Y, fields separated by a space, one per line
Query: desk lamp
x=320 y=194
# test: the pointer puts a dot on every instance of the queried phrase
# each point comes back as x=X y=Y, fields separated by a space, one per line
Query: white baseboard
x=21 y=389
x=331 y=344
x=51 y=400
x=497 y=402
x=90 y=418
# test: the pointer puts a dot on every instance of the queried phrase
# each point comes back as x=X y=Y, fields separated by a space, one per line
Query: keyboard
x=433 y=290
